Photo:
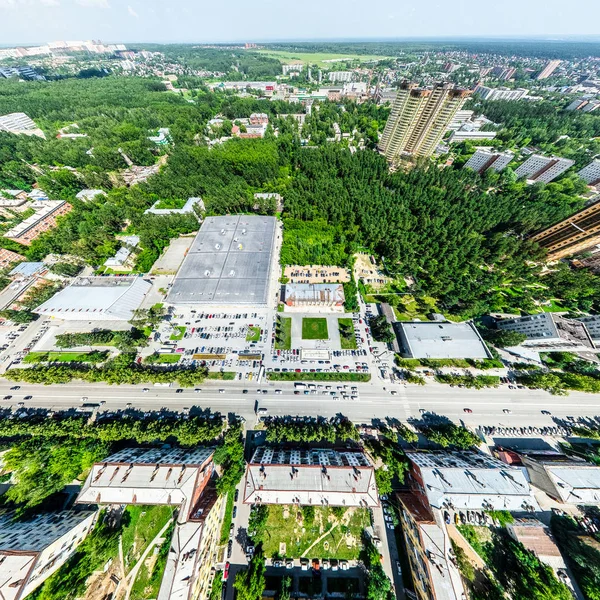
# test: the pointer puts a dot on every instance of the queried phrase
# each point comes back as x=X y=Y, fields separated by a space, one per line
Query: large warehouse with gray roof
x=230 y=262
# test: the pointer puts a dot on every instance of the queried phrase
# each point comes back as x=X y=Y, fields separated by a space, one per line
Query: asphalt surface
x=375 y=401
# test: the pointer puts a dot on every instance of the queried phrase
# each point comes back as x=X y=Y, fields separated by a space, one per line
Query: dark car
x=236 y=495
x=234 y=512
x=27 y=397
x=15 y=387
x=179 y=391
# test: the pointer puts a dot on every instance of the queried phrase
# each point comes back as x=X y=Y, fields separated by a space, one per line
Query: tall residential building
x=501 y=93
x=419 y=119
x=341 y=76
x=591 y=173
x=548 y=69
x=483 y=160
x=573 y=234
x=504 y=72
x=584 y=104
x=543 y=169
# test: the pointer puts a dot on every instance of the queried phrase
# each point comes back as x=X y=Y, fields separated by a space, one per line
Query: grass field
x=179 y=333
x=166 y=359
x=318 y=58
x=342 y=533
x=223 y=376
x=347 y=339
x=36 y=357
x=253 y=334
x=314 y=328
x=283 y=336
x=144 y=522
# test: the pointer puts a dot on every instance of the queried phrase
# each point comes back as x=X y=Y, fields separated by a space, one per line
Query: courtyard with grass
x=67 y=357
x=314 y=328
x=283 y=333
x=163 y=359
x=315 y=532
x=253 y=334
x=347 y=339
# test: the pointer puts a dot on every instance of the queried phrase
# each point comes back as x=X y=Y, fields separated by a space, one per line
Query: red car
x=467 y=410
x=226 y=571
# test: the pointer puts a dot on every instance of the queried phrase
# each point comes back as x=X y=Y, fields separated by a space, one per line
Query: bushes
x=272 y=376
x=470 y=381
x=280 y=429
x=350 y=295
x=230 y=457
x=558 y=383
x=449 y=434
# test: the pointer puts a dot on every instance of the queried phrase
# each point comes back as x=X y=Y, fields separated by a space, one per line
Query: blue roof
x=27 y=269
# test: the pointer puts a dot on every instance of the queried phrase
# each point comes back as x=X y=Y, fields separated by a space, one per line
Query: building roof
x=317 y=477
x=429 y=339
x=535 y=536
x=228 y=263
x=89 y=194
x=97 y=298
x=140 y=476
x=327 y=293
x=577 y=483
x=33 y=535
x=471 y=480
x=45 y=211
x=28 y=269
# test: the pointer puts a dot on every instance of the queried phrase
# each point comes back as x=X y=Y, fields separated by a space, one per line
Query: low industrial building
x=97 y=299
x=318 y=477
x=474 y=136
x=551 y=332
x=187 y=208
x=440 y=340
x=43 y=220
x=230 y=262
x=178 y=477
x=567 y=479
x=20 y=124
x=299 y=295
x=32 y=550
x=537 y=538
x=435 y=575
x=468 y=480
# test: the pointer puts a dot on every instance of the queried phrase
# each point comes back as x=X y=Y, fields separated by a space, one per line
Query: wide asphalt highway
x=373 y=401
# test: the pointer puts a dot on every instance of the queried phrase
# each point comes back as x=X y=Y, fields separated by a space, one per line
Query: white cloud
x=50 y=2
x=8 y=3
x=132 y=12
x=94 y=3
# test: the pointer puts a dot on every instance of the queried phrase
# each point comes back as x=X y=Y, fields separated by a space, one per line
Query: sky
x=204 y=21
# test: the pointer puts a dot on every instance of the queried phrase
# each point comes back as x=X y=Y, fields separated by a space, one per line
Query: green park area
x=314 y=328
x=347 y=339
x=283 y=333
x=178 y=333
x=315 y=532
x=163 y=359
x=66 y=357
x=253 y=334
x=319 y=58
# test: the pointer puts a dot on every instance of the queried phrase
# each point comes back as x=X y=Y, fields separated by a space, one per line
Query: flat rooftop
x=317 y=477
x=229 y=262
x=434 y=339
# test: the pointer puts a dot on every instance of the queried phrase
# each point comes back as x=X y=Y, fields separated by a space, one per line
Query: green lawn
x=342 y=542
x=347 y=339
x=178 y=336
x=36 y=357
x=253 y=334
x=164 y=359
x=318 y=57
x=141 y=525
x=283 y=334
x=224 y=375
x=227 y=518
x=314 y=328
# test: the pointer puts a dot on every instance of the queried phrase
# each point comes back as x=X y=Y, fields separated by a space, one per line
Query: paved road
x=373 y=403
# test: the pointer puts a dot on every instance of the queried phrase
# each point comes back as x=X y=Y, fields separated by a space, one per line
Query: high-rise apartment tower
x=419 y=119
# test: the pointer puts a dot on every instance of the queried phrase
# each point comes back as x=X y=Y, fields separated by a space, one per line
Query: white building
x=32 y=550
x=592 y=323
x=543 y=169
x=462 y=136
x=468 y=480
x=87 y=195
x=20 y=123
x=551 y=332
x=460 y=118
x=187 y=208
x=550 y=67
x=292 y=68
x=97 y=299
x=483 y=160
x=318 y=477
x=591 y=173
x=340 y=76
x=501 y=93
x=123 y=253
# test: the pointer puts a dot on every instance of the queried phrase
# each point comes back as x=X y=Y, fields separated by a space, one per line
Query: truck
x=300 y=386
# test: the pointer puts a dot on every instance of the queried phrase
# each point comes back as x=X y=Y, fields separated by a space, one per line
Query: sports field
x=314 y=328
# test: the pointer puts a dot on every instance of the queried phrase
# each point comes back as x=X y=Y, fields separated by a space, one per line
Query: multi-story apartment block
x=584 y=104
x=551 y=332
x=591 y=173
x=419 y=119
x=32 y=550
x=592 y=322
x=501 y=93
x=548 y=69
x=44 y=219
x=483 y=160
x=543 y=169
x=434 y=571
x=574 y=234
x=504 y=73
x=341 y=76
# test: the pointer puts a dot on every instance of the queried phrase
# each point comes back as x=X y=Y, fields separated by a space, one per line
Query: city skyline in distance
x=134 y=21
